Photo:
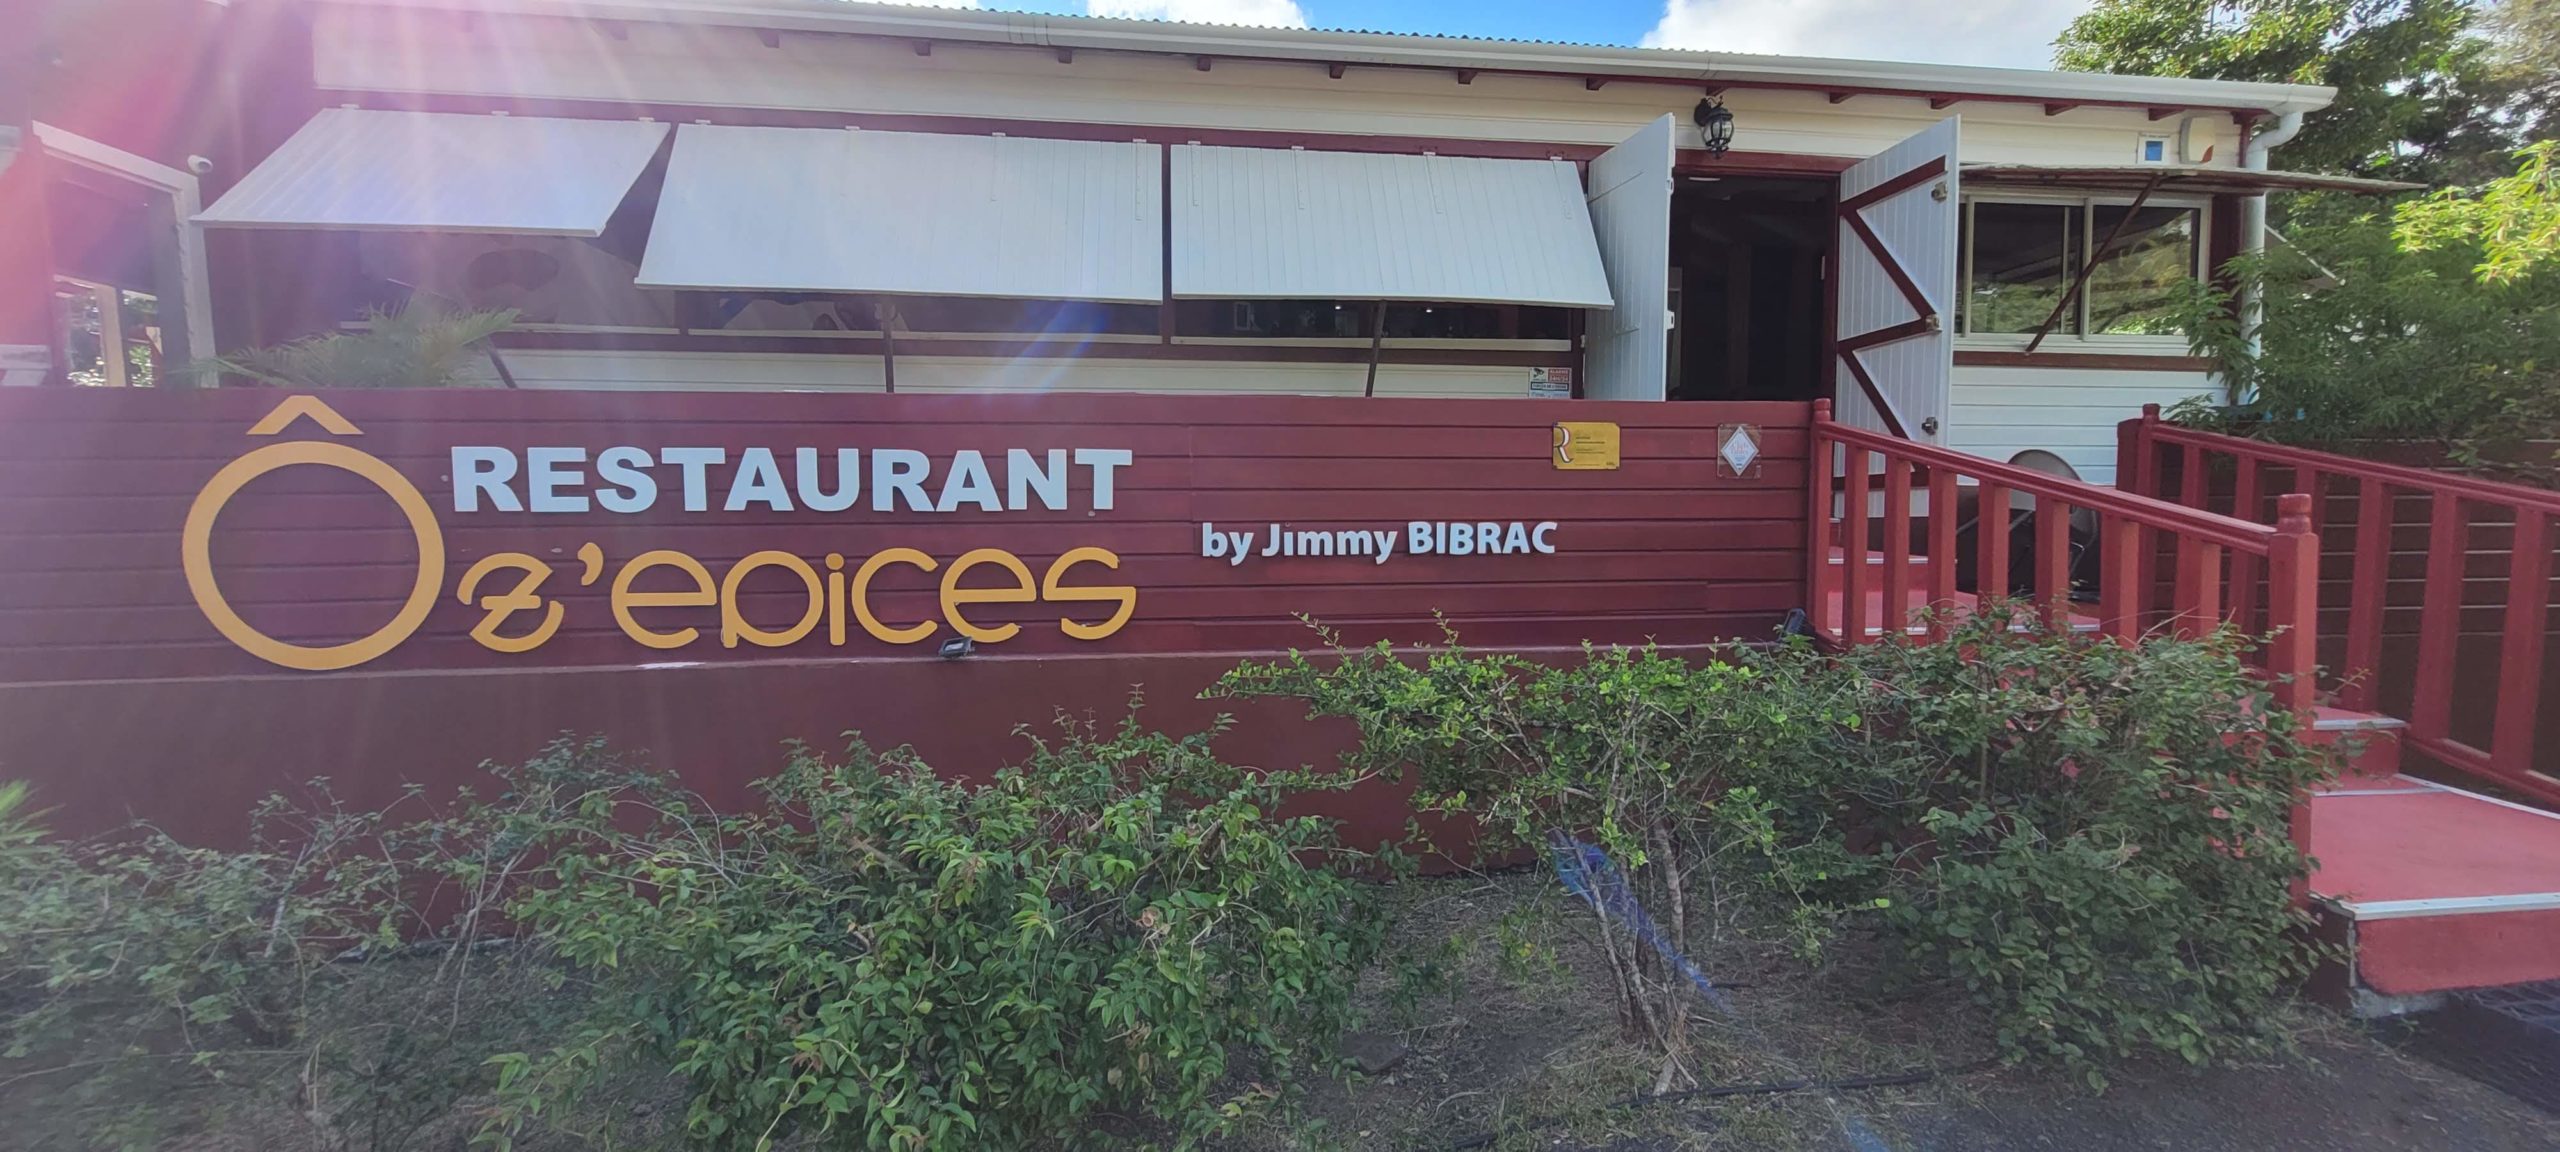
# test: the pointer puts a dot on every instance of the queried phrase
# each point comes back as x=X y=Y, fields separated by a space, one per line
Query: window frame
x=2082 y=340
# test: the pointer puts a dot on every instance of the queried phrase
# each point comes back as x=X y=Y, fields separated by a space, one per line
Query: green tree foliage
x=2525 y=51
x=2415 y=95
x=2514 y=219
x=414 y=347
x=2371 y=341
x=2435 y=329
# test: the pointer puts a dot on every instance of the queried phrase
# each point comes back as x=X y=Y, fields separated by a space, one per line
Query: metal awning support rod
x=1377 y=338
x=2099 y=253
x=884 y=312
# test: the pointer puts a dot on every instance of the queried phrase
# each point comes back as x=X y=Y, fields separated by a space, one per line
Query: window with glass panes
x=2019 y=258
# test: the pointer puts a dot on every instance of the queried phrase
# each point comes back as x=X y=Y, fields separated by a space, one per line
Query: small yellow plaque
x=1586 y=445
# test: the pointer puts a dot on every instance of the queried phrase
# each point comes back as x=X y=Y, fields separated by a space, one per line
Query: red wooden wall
x=118 y=697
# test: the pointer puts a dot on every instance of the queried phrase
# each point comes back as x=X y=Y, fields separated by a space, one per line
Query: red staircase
x=2417 y=633
x=2433 y=600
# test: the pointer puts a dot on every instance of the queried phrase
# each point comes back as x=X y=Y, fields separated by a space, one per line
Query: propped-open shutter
x=1896 y=286
x=1625 y=348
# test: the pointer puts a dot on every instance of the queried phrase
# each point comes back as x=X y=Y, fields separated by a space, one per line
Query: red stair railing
x=1863 y=501
x=2462 y=519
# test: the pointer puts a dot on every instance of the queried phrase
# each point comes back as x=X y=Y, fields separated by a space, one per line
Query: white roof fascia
x=1706 y=69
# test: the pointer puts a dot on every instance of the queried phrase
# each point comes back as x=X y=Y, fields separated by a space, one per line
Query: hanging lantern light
x=1715 y=125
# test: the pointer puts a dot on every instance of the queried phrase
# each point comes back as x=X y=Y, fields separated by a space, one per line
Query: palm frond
x=412 y=347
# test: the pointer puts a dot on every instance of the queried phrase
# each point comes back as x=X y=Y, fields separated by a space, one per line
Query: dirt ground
x=1510 y=1043
x=1495 y=1023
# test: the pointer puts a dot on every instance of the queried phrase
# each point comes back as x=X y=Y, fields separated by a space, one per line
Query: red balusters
x=2244 y=567
x=1897 y=547
x=1942 y=548
x=1853 y=550
x=2520 y=650
x=2121 y=586
x=2368 y=589
x=2440 y=620
x=1990 y=543
x=2199 y=600
x=1819 y=582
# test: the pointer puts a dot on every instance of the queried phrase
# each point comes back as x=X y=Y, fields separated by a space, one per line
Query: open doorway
x=1747 y=261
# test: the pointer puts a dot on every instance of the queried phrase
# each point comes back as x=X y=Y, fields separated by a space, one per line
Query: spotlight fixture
x=1715 y=125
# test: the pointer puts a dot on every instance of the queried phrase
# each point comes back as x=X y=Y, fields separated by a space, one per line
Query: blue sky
x=2000 y=33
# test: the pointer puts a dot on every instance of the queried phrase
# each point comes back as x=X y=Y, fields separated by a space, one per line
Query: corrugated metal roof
x=1423 y=51
x=835 y=210
x=434 y=171
x=1273 y=223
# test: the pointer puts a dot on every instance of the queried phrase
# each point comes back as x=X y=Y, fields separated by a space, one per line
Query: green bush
x=885 y=959
x=310 y=986
x=2091 y=839
x=1670 y=766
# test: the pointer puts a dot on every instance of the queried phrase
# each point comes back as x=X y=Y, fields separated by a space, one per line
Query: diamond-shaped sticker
x=1738 y=446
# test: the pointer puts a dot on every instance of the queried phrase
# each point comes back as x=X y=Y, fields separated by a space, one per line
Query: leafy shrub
x=322 y=968
x=1660 y=761
x=2091 y=839
x=883 y=958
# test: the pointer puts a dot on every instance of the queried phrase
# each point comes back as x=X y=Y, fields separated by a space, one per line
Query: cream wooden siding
x=1288 y=223
x=831 y=210
x=795 y=372
x=388 y=50
x=2070 y=412
x=442 y=172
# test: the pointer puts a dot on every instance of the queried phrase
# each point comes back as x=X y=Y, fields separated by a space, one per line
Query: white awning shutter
x=1627 y=351
x=1268 y=223
x=837 y=210
x=351 y=168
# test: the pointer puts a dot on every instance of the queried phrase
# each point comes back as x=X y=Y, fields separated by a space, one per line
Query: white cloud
x=1996 y=33
x=1263 y=13
x=933 y=3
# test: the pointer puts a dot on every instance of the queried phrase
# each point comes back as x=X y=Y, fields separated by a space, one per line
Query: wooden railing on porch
x=2461 y=518
x=1873 y=493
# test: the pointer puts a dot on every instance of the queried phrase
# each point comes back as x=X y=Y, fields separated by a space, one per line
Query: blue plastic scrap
x=1587 y=872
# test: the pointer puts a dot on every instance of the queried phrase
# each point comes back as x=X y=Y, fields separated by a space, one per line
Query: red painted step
x=2431 y=888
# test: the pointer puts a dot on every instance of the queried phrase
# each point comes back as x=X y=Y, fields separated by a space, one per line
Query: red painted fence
x=1889 y=497
x=2485 y=573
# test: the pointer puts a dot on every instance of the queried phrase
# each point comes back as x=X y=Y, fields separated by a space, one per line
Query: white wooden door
x=1625 y=349
x=1895 y=287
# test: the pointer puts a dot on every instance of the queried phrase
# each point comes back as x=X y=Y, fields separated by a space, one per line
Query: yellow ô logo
x=197 y=544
